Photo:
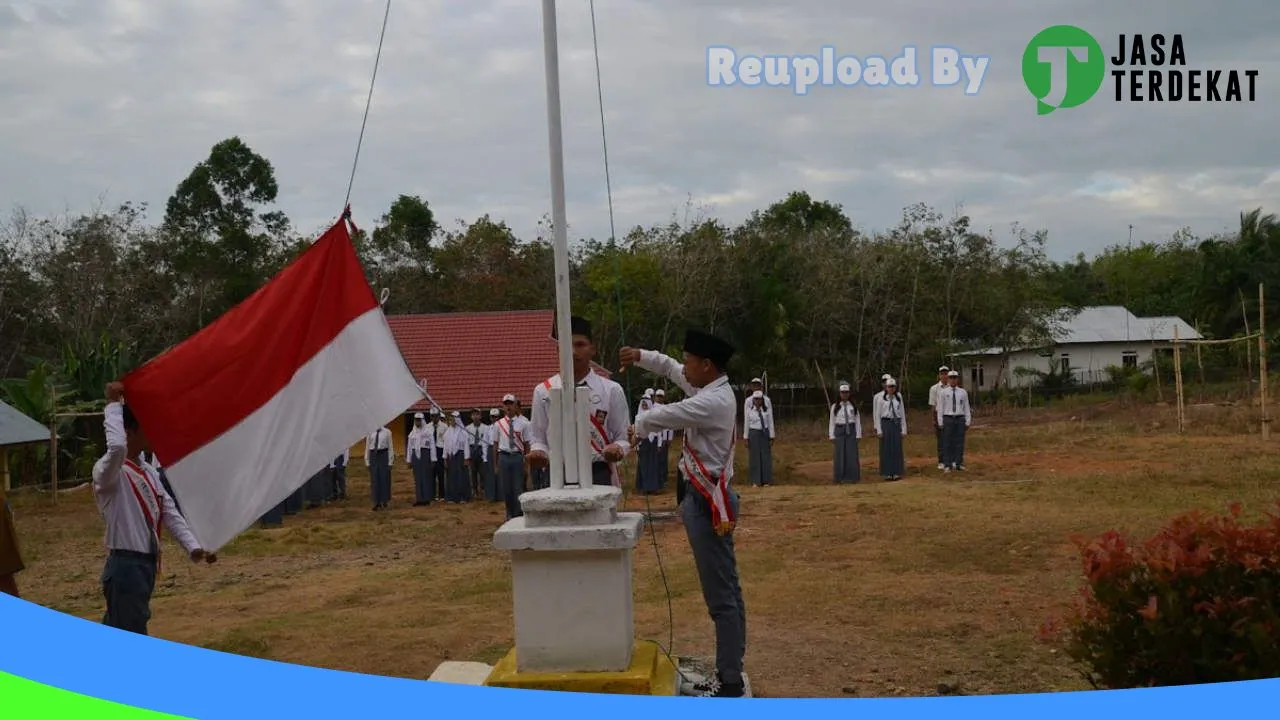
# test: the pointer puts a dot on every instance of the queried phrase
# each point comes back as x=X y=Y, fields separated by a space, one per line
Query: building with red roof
x=471 y=360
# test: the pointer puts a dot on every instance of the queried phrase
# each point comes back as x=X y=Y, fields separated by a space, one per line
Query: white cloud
x=123 y=97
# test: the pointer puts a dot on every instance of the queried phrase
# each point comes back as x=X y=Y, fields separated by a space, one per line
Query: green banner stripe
x=22 y=699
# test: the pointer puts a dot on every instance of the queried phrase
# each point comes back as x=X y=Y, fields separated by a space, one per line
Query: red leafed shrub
x=1195 y=603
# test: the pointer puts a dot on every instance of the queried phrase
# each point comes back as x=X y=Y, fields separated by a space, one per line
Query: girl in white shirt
x=844 y=431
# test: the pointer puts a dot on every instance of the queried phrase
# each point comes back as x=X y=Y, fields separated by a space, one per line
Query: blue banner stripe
x=87 y=658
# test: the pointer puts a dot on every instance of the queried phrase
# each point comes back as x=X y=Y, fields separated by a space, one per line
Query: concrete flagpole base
x=571 y=566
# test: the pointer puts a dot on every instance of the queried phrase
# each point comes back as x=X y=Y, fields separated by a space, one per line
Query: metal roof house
x=17 y=429
x=1086 y=344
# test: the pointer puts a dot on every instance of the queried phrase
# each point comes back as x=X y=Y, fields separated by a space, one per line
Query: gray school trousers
x=953 y=430
x=128 y=580
x=718 y=573
x=511 y=481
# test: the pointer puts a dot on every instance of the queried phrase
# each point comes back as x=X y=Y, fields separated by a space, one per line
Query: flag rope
x=367 y=103
x=617 y=280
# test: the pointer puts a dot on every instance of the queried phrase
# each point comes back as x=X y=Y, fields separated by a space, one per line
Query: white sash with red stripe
x=148 y=498
x=505 y=426
x=714 y=490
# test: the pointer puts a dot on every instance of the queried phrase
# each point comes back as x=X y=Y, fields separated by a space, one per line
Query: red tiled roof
x=473 y=359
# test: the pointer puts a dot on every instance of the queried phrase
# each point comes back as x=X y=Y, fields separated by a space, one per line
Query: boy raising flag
x=708 y=417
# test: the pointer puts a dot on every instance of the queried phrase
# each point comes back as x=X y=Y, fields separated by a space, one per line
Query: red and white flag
x=245 y=411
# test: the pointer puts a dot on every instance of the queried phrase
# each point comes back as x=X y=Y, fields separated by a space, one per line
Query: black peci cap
x=708 y=346
x=577 y=326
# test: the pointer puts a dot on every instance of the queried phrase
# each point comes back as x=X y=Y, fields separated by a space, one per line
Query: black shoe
x=713 y=687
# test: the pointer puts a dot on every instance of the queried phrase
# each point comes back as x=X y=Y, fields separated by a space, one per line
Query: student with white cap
x=663 y=445
x=646 y=451
x=439 y=427
x=511 y=445
x=954 y=416
x=890 y=418
x=757 y=386
x=883 y=380
x=934 y=391
x=758 y=431
x=421 y=453
x=457 y=456
x=478 y=440
x=845 y=430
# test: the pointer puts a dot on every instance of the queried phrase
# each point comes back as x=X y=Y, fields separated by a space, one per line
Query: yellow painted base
x=651 y=673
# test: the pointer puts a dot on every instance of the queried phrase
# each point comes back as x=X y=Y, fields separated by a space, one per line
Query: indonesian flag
x=245 y=411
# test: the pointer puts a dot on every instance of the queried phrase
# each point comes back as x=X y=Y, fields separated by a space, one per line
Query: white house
x=1087 y=344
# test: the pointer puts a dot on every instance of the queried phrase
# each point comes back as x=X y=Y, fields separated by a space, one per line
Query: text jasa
x=1136 y=83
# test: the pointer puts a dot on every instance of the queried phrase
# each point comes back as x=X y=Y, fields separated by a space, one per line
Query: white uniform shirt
x=954 y=401
x=844 y=413
x=457 y=439
x=439 y=430
x=511 y=434
x=379 y=439
x=757 y=418
x=117 y=489
x=607 y=396
x=934 y=391
x=768 y=404
x=888 y=407
x=421 y=443
x=346 y=459
x=478 y=436
x=707 y=415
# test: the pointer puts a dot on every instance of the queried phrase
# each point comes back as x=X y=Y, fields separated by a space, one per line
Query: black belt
x=510 y=452
x=133 y=554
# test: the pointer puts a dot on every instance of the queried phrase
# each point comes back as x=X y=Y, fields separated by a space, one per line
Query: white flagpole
x=568 y=435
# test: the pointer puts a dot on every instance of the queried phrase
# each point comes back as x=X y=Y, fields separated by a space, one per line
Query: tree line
x=803 y=294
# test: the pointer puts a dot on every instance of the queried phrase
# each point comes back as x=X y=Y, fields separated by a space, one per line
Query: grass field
x=872 y=589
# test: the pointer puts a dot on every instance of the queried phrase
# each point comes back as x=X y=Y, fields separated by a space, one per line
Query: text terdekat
x=1153 y=69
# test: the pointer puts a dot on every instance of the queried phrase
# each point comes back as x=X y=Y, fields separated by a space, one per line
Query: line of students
x=948 y=406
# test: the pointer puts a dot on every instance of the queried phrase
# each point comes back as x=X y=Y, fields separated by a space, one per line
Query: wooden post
x=1155 y=365
x=53 y=458
x=1248 y=351
x=1177 y=376
x=1262 y=362
x=1200 y=361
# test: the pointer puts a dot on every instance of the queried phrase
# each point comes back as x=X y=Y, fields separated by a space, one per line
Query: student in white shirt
x=844 y=430
x=134 y=506
x=420 y=452
x=457 y=457
x=663 y=450
x=378 y=457
x=891 y=426
x=606 y=412
x=477 y=440
x=707 y=416
x=759 y=433
x=511 y=444
x=491 y=493
x=646 y=447
x=954 y=417
x=934 y=391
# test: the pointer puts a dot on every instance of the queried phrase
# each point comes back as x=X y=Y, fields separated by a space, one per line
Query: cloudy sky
x=117 y=99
